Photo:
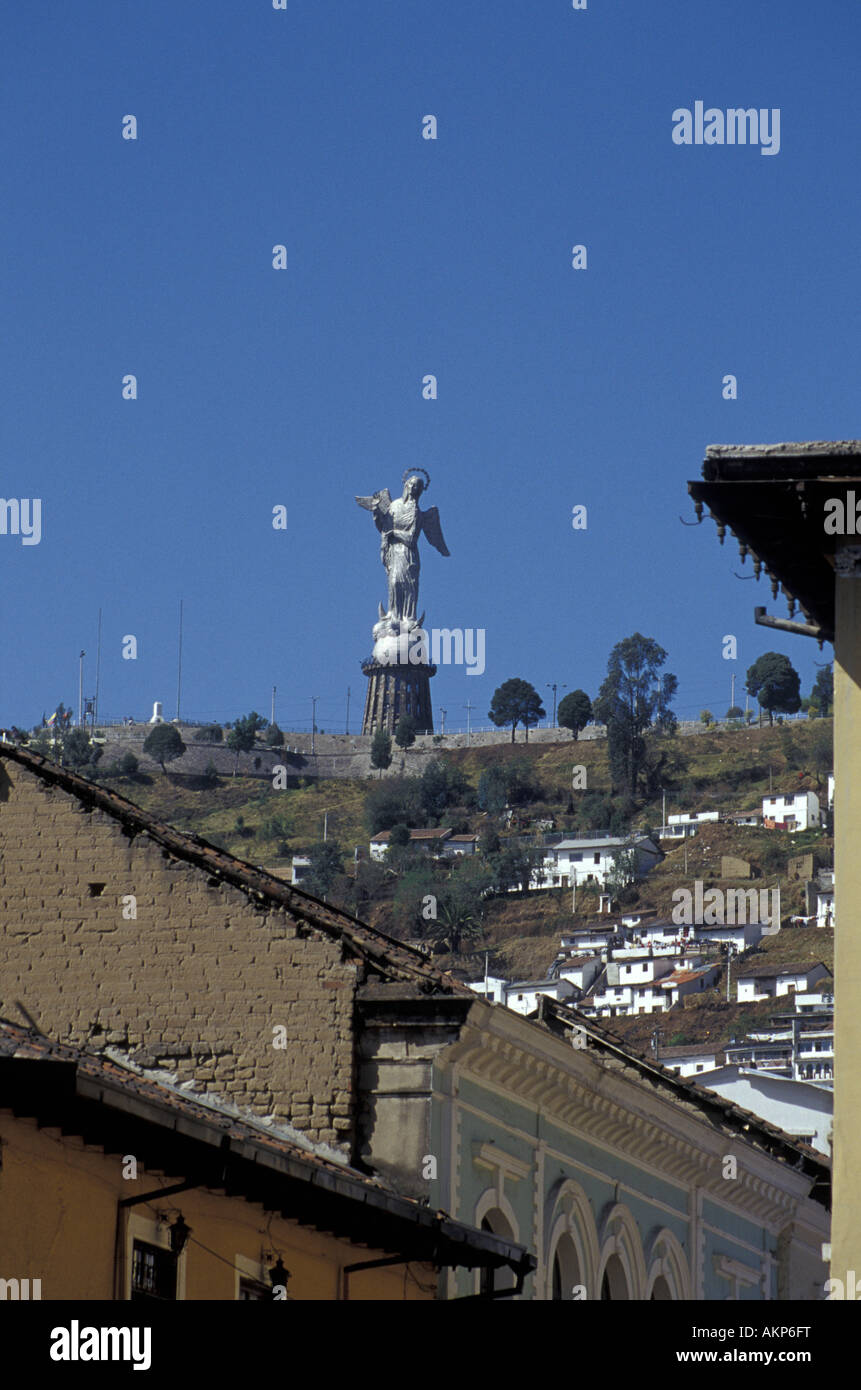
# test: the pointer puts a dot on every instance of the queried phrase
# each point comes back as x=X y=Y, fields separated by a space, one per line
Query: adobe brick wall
x=196 y=983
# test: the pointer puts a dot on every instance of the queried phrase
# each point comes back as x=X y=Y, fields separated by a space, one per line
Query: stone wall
x=195 y=983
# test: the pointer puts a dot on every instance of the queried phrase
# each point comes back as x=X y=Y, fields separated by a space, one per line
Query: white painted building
x=741 y=936
x=797 y=812
x=690 y=1059
x=772 y=981
x=300 y=869
x=682 y=826
x=492 y=989
x=580 y=970
x=681 y=983
x=522 y=995
x=581 y=861
x=432 y=840
x=800 y=1108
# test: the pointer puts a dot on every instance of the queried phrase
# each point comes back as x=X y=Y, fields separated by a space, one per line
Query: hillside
x=720 y=770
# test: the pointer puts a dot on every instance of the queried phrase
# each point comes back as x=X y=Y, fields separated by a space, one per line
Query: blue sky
x=406 y=256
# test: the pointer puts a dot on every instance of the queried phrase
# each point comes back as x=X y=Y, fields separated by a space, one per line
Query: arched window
x=496 y=1223
x=661 y=1290
x=614 y=1285
x=566 y=1270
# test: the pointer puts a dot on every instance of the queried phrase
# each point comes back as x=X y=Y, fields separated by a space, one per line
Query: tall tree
x=774 y=684
x=822 y=694
x=634 y=697
x=405 y=733
x=326 y=863
x=516 y=702
x=243 y=735
x=575 y=711
x=164 y=744
x=381 y=750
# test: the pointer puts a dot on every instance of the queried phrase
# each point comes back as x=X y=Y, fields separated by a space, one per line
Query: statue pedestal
x=394 y=690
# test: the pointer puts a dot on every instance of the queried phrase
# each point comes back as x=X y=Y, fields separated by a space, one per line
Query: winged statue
x=400 y=522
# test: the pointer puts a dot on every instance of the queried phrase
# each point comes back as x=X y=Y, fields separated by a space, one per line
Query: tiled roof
x=98 y=1093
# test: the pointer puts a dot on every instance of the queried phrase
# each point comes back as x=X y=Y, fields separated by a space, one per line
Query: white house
x=580 y=970
x=684 y=982
x=631 y=987
x=825 y=899
x=456 y=845
x=492 y=989
x=432 y=840
x=522 y=995
x=771 y=981
x=741 y=936
x=681 y=827
x=590 y=939
x=797 y=812
x=690 y=1059
x=300 y=868
x=800 y=1108
x=579 y=861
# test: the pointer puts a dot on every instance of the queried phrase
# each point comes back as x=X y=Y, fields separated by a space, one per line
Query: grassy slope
x=710 y=771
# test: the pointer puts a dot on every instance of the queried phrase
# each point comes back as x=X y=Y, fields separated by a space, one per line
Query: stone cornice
x=583 y=1091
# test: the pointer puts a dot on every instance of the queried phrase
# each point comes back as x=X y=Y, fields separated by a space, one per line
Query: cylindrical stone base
x=397 y=690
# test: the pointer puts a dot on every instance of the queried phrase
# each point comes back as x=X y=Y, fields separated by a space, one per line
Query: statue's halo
x=411 y=473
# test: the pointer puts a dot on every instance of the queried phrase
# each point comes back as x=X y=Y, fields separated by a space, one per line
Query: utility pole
x=663 y=812
x=179 y=664
x=554 y=687
x=98 y=670
x=728 y=961
x=272 y=716
x=347 y=725
x=81 y=687
x=469 y=707
x=443 y=712
x=314 y=699
x=325 y=825
x=732 y=696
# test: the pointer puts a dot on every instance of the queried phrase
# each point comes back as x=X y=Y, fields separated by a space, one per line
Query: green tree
x=399 y=835
x=516 y=702
x=442 y=785
x=274 y=737
x=326 y=863
x=243 y=735
x=774 y=684
x=405 y=733
x=381 y=750
x=575 y=711
x=493 y=789
x=822 y=694
x=735 y=712
x=624 y=869
x=706 y=717
x=164 y=744
x=634 y=698
x=398 y=799
x=78 y=751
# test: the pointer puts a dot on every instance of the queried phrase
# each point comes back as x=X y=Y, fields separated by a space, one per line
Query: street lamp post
x=554 y=687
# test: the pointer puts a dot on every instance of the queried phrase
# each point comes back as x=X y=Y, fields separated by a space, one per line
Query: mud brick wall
x=195 y=984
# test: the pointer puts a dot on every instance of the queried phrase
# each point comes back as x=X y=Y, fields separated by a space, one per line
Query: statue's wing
x=433 y=530
x=380 y=502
